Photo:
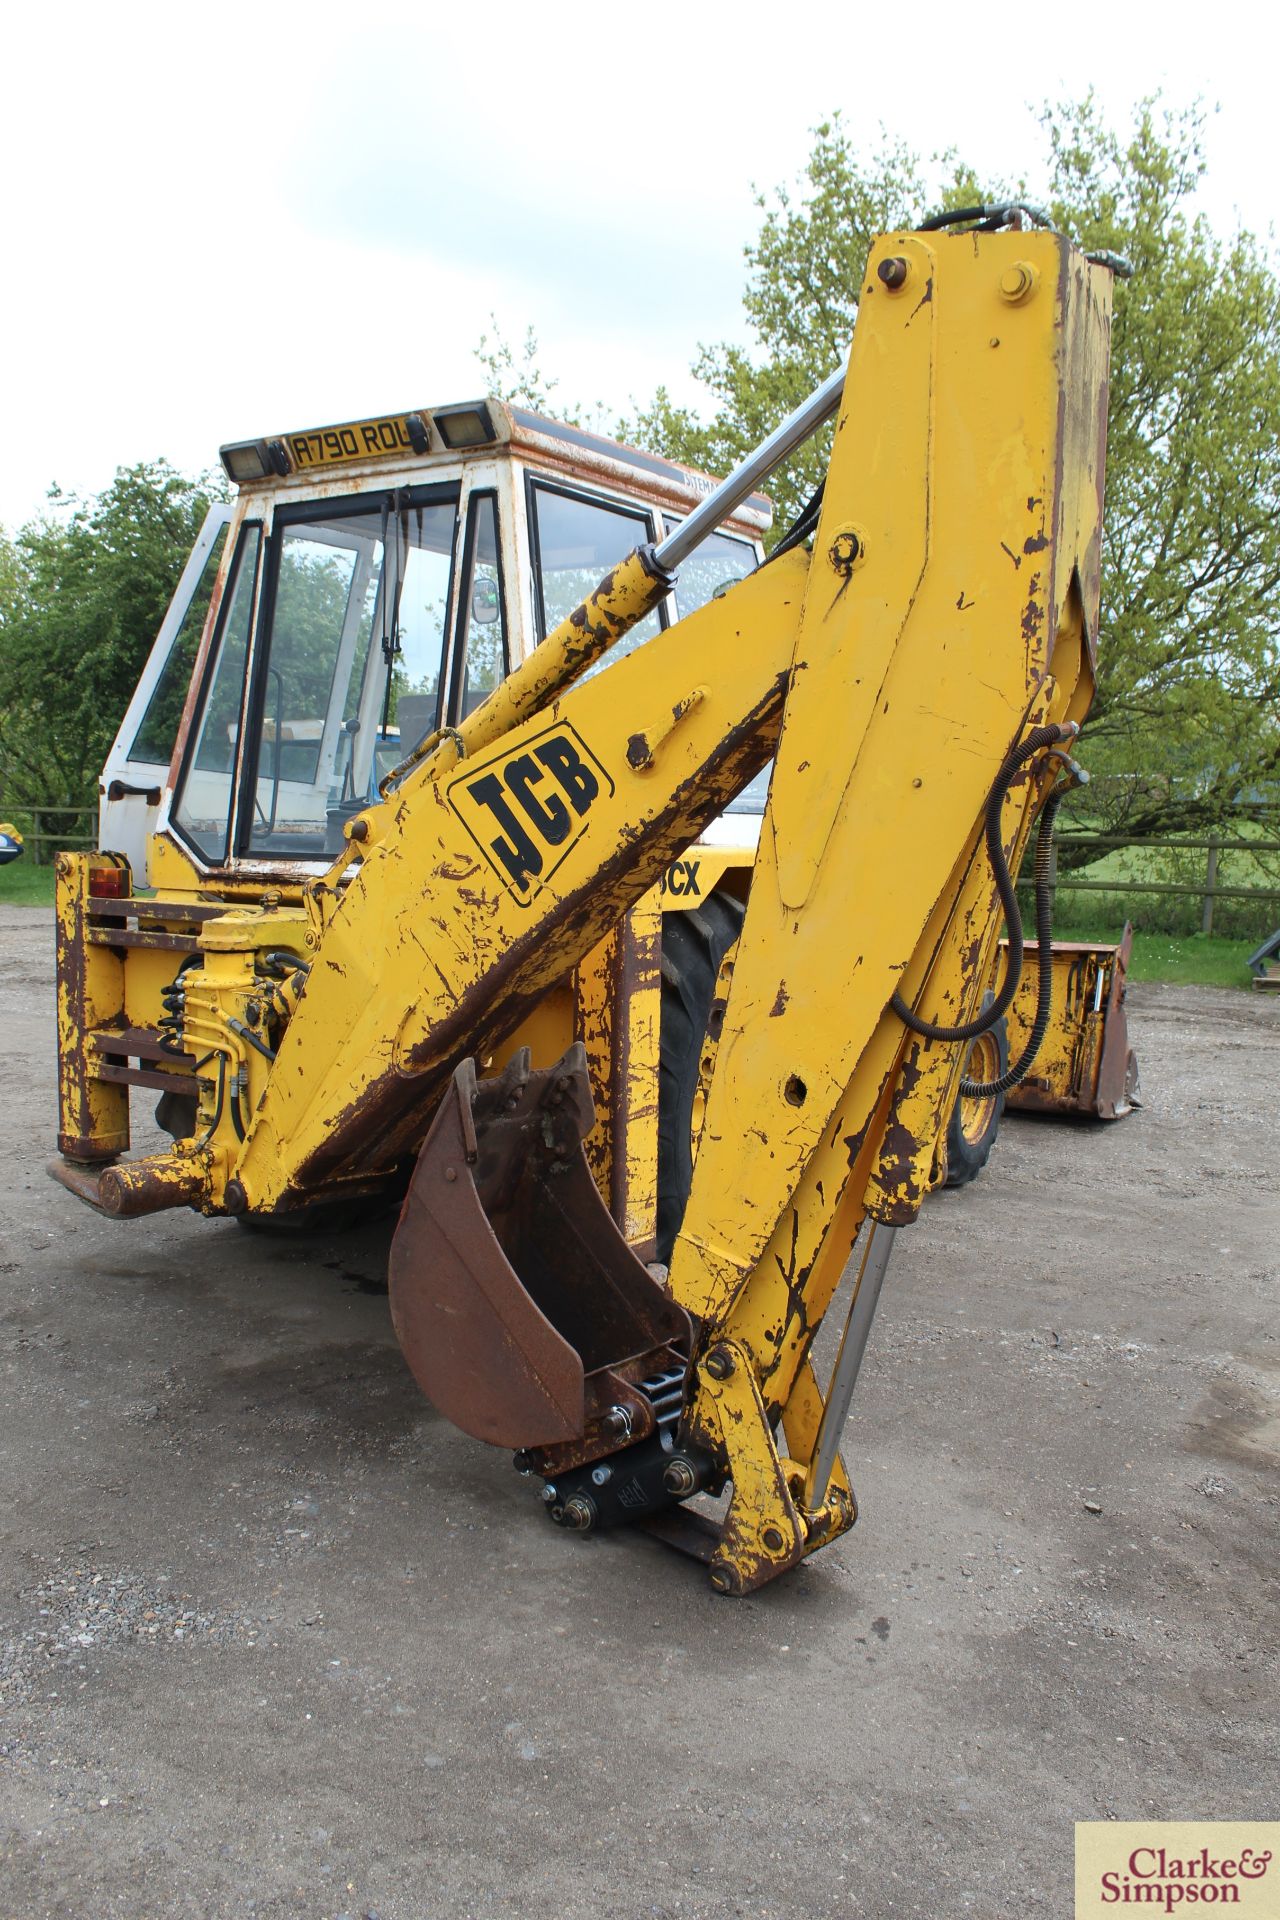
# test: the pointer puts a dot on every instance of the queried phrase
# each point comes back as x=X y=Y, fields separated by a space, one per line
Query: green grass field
x=23 y=885
x=1192 y=959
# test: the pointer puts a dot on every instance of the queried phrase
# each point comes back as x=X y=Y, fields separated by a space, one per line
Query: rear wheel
x=975 y=1120
x=694 y=944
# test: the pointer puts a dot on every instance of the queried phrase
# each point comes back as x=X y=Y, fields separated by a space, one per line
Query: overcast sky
x=233 y=220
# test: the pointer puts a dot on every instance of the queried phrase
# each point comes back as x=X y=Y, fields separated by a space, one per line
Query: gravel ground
x=275 y=1640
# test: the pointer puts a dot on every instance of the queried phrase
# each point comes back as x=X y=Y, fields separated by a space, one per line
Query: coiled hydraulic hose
x=1036 y=741
x=984 y=1089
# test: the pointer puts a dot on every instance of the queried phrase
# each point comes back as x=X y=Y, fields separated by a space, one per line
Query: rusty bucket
x=522 y=1312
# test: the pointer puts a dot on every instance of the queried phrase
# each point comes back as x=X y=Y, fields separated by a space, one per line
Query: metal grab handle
x=717 y=506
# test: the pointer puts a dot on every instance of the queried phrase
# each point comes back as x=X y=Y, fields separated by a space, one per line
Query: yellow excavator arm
x=916 y=676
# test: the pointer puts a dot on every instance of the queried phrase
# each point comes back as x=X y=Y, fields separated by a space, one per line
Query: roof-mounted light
x=250 y=460
x=467 y=426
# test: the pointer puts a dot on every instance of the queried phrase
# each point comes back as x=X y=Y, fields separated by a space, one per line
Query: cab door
x=137 y=767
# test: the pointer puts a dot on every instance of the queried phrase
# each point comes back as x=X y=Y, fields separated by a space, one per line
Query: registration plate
x=358 y=440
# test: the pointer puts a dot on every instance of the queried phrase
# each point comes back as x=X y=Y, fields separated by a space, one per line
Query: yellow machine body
x=362 y=1030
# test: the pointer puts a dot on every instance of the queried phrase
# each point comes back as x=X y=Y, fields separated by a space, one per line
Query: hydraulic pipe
x=757 y=466
x=853 y=1344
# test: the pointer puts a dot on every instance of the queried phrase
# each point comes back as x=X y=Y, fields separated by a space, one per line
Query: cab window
x=203 y=806
x=717 y=562
x=482 y=624
x=153 y=742
x=576 y=541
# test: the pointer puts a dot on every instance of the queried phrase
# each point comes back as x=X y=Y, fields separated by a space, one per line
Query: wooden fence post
x=1210 y=885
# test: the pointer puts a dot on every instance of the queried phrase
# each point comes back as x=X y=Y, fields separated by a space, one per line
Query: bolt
x=549 y=1494
x=235 y=1199
x=522 y=1461
x=844 y=551
x=451 y=1173
x=617 y=1421
x=579 y=1514
x=893 y=273
x=1018 y=282
x=772 y=1539
x=678 y=1478
x=357 y=830
x=719 y=1363
x=600 y=1476
x=724 y=1578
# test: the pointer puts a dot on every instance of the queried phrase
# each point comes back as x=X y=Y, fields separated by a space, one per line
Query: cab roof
x=475 y=428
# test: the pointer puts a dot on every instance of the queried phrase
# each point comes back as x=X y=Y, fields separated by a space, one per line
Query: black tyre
x=975 y=1121
x=693 y=946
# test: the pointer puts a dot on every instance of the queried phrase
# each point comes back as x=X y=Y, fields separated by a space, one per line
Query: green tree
x=1183 y=732
x=82 y=591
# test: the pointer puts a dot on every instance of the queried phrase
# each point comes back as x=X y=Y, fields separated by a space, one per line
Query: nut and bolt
x=773 y=1539
x=549 y=1494
x=678 y=1478
x=578 y=1514
x=719 y=1363
x=1018 y=282
x=600 y=1476
x=893 y=272
x=724 y=1578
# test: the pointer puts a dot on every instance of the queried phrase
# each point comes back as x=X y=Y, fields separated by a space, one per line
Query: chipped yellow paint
x=93 y=1114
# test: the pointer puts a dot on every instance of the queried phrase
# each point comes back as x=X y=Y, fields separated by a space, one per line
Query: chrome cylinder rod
x=744 y=479
x=853 y=1344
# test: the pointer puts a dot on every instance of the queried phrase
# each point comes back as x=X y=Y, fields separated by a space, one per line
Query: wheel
x=693 y=945
x=975 y=1122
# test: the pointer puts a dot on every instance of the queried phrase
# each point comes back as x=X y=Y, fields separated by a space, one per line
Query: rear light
x=106 y=883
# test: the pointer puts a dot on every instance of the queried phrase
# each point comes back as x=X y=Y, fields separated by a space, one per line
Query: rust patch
x=780 y=1003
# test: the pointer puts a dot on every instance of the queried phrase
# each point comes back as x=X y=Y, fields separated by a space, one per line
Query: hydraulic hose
x=984 y=1089
x=1036 y=741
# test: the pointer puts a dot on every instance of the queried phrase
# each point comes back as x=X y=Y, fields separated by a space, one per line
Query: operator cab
x=370 y=584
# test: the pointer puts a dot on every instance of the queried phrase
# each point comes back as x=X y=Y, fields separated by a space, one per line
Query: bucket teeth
x=522 y=1312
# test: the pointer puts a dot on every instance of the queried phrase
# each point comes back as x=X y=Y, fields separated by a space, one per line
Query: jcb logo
x=525 y=810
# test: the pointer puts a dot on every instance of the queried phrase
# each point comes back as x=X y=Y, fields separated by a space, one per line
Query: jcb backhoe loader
x=369 y=969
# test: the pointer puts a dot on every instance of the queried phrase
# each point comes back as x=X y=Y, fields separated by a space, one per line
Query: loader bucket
x=523 y=1314
x=1085 y=1064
